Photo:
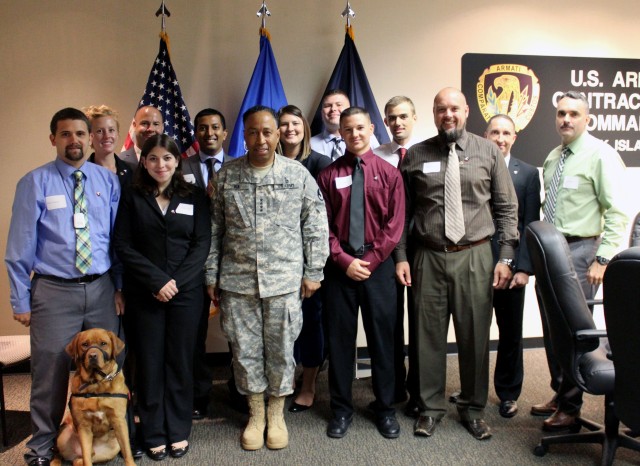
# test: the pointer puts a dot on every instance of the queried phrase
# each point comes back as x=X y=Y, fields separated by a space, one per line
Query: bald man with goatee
x=456 y=183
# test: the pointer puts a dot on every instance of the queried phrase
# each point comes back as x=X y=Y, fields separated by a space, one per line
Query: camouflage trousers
x=262 y=332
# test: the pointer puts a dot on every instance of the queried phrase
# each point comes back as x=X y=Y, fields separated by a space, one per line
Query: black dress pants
x=509 y=373
x=376 y=297
x=165 y=351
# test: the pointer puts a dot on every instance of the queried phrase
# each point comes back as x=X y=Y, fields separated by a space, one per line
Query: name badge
x=79 y=220
x=431 y=167
x=570 y=182
x=56 y=202
x=190 y=178
x=343 y=182
x=185 y=209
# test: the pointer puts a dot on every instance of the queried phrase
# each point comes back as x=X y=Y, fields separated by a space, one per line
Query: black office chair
x=576 y=342
x=622 y=314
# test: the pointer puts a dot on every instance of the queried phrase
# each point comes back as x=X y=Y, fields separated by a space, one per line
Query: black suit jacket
x=191 y=166
x=155 y=248
x=526 y=181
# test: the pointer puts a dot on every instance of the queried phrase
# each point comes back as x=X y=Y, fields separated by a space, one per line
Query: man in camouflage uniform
x=269 y=246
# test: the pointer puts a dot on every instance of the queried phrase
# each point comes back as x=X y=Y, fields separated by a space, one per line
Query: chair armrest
x=594 y=302
x=589 y=340
x=582 y=335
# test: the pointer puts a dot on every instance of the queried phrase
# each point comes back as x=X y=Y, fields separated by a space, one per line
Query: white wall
x=76 y=52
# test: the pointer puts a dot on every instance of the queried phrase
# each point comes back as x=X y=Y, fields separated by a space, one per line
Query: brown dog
x=96 y=429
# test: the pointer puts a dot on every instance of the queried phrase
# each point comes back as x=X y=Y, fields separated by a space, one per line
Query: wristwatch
x=602 y=260
x=508 y=262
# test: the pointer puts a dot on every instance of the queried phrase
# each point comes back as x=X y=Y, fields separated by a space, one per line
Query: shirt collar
x=67 y=170
x=328 y=137
x=219 y=156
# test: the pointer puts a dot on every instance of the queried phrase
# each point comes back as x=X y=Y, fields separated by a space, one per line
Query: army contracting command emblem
x=508 y=89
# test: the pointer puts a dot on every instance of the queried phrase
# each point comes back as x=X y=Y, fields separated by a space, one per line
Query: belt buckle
x=446 y=249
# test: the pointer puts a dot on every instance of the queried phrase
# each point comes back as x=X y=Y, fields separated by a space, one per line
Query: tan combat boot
x=253 y=435
x=277 y=435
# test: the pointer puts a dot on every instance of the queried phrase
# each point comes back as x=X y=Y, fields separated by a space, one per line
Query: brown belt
x=454 y=247
x=573 y=239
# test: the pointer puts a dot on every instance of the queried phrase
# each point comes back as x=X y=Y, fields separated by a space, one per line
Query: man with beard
x=456 y=183
x=63 y=214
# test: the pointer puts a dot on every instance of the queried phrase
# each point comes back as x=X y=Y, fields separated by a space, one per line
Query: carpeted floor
x=216 y=441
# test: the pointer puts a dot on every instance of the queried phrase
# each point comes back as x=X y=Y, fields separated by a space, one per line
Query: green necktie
x=81 y=224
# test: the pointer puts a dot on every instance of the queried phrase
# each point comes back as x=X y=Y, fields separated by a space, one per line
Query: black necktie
x=209 y=163
x=356 y=218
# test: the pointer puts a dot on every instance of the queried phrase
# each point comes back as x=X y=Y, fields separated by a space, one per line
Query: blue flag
x=265 y=88
x=349 y=76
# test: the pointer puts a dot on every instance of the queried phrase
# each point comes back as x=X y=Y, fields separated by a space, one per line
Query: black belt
x=454 y=247
x=573 y=239
x=360 y=252
x=77 y=281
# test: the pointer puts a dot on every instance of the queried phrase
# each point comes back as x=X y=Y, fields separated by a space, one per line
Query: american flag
x=163 y=92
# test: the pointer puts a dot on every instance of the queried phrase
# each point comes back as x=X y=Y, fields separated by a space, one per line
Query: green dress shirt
x=589 y=195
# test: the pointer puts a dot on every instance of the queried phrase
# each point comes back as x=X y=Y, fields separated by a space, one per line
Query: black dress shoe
x=508 y=408
x=425 y=426
x=388 y=427
x=40 y=461
x=453 y=398
x=478 y=428
x=158 y=455
x=136 y=450
x=178 y=452
x=297 y=408
x=338 y=426
x=412 y=409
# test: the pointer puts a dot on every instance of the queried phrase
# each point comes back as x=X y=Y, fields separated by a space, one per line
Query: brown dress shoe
x=545 y=409
x=559 y=421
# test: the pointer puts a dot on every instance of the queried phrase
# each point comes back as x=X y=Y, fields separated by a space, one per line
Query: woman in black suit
x=162 y=236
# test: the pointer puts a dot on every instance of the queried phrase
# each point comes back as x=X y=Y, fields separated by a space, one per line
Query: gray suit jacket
x=191 y=166
x=129 y=156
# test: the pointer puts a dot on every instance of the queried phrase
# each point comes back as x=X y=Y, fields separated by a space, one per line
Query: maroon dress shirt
x=383 y=205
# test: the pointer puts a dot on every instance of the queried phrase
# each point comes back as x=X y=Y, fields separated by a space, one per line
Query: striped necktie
x=453 y=215
x=81 y=225
x=336 y=152
x=549 y=209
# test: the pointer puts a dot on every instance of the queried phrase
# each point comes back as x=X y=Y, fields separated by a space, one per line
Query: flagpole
x=349 y=13
x=262 y=13
x=165 y=13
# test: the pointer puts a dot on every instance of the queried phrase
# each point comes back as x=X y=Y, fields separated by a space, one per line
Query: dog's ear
x=71 y=348
x=116 y=343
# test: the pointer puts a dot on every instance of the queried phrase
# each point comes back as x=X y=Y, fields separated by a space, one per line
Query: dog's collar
x=105 y=378
x=99 y=395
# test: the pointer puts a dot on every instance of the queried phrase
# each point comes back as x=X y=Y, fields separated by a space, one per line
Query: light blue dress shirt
x=42 y=238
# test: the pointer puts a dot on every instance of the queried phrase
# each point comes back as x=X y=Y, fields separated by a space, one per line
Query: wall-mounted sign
x=526 y=87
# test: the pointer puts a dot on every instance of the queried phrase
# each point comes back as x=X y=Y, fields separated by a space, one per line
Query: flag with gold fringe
x=265 y=88
x=163 y=92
